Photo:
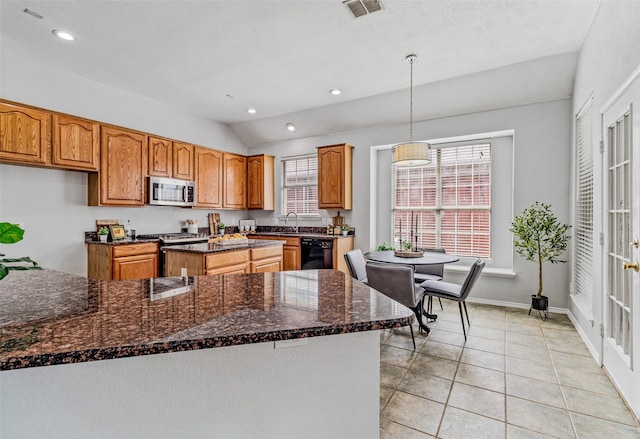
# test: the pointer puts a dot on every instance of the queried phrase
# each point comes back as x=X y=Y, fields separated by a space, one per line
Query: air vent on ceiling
x=362 y=7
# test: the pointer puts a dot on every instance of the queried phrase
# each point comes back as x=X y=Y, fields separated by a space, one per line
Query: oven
x=317 y=253
x=168 y=239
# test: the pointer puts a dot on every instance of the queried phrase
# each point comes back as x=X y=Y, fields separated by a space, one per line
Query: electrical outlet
x=183 y=272
x=294 y=343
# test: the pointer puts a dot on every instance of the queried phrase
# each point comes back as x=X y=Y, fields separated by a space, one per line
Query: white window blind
x=583 y=260
x=447 y=203
x=300 y=185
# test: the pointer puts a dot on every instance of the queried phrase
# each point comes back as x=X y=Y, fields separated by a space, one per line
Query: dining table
x=427 y=258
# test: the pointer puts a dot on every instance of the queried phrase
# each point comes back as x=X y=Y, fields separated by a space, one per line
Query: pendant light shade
x=411 y=153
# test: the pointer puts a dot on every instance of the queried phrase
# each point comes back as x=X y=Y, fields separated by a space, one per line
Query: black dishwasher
x=317 y=253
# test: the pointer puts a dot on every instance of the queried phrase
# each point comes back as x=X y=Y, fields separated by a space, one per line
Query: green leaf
x=10 y=233
x=3 y=271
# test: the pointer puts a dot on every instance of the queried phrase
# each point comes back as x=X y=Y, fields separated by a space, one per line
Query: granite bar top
x=204 y=247
x=49 y=317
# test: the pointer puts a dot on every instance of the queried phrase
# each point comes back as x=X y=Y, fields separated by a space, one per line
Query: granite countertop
x=204 y=247
x=49 y=317
x=304 y=235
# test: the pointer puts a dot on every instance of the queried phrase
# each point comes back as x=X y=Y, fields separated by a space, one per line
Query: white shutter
x=583 y=241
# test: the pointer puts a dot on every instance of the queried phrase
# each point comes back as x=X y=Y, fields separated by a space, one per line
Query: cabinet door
x=334 y=177
x=183 y=161
x=25 y=135
x=290 y=258
x=135 y=267
x=260 y=188
x=76 y=143
x=123 y=159
x=160 y=157
x=235 y=181
x=208 y=176
x=266 y=265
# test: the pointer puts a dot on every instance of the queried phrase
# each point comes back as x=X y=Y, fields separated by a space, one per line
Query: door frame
x=628 y=388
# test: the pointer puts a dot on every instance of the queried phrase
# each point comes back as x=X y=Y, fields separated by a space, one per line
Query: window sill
x=488 y=271
x=301 y=217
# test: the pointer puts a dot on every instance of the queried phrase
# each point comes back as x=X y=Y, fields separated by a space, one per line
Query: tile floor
x=516 y=377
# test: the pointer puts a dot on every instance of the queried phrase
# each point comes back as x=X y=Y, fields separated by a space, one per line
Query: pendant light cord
x=411 y=58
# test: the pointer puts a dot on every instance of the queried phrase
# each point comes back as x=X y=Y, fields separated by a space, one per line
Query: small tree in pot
x=540 y=237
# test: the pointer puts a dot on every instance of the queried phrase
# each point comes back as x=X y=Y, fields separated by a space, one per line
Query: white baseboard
x=585 y=339
x=513 y=304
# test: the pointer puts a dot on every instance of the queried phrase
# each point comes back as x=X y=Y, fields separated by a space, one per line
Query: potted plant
x=540 y=237
x=221 y=228
x=384 y=247
x=103 y=233
x=345 y=230
x=10 y=234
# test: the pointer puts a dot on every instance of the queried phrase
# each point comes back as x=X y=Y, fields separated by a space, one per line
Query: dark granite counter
x=48 y=317
x=205 y=247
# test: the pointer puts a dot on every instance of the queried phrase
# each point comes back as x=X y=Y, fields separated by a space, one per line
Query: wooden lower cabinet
x=266 y=259
x=257 y=260
x=122 y=261
x=340 y=247
x=290 y=251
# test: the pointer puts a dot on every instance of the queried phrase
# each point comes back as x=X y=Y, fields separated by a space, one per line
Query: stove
x=176 y=238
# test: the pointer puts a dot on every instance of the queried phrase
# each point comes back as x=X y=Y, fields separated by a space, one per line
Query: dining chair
x=455 y=292
x=356 y=265
x=430 y=272
x=396 y=282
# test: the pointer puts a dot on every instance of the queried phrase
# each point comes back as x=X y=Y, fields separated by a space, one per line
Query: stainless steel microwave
x=171 y=192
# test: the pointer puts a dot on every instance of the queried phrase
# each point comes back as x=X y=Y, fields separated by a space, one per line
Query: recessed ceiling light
x=251 y=110
x=335 y=92
x=64 y=35
x=290 y=126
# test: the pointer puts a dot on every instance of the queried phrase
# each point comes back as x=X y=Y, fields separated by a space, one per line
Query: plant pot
x=221 y=231
x=345 y=232
x=103 y=238
x=540 y=304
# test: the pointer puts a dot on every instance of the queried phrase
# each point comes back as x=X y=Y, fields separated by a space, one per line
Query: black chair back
x=433 y=269
x=356 y=265
x=395 y=281
x=472 y=277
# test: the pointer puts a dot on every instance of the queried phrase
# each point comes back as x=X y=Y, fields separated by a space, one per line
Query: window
x=300 y=185
x=447 y=203
x=583 y=261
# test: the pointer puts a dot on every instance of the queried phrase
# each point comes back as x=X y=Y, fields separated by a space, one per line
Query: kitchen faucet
x=287 y=219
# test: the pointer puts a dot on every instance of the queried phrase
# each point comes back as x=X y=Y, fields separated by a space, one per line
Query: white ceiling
x=218 y=58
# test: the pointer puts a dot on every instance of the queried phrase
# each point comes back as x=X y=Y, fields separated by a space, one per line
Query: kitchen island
x=296 y=355
x=242 y=256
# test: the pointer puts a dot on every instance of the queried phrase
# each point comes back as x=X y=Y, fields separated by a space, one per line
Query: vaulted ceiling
x=218 y=58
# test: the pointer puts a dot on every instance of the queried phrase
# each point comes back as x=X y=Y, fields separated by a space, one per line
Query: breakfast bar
x=238 y=355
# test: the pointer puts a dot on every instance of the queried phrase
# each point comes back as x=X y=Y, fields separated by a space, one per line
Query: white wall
x=52 y=204
x=542 y=137
x=610 y=54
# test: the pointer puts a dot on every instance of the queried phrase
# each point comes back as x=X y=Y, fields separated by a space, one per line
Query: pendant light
x=411 y=153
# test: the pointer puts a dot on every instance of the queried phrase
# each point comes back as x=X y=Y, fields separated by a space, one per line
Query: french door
x=621 y=180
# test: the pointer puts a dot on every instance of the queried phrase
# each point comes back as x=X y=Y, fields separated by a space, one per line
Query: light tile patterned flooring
x=516 y=377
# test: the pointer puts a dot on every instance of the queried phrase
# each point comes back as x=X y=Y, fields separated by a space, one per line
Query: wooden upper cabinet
x=234 y=194
x=334 y=176
x=25 y=135
x=123 y=166
x=160 y=157
x=183 y=160
x=260 y=187
x=208 y=177
x=76 y=143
